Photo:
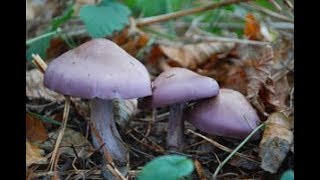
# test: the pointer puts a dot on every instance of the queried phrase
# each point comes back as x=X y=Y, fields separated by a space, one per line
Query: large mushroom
x=229 y=115
x=175 y=87
x=101 y=71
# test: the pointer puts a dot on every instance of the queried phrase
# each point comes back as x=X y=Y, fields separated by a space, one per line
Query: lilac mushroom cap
x=98 y=68
x=178 y=85
x=229 y=114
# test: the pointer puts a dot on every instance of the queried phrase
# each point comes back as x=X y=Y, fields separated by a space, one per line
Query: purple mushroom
x=175 y=87
x=101 y=71
x=229 y=114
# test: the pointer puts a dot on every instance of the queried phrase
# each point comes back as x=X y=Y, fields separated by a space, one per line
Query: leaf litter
x=262 y=73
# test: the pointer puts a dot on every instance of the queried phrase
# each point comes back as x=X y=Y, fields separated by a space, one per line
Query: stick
x=174 y=15
x=269 y=12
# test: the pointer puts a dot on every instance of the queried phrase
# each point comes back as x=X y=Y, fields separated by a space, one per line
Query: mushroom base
x=103 y=121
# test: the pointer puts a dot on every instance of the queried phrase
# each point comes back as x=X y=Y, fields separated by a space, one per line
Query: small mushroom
x=101 y=71
x=175 y=87
x=229 y=115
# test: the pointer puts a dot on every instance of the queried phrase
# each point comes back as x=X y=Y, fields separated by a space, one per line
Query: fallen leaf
x=252 y=28
x=131 y=39
x=35 y=88
x=34 y=155
x=199 y=170
x=124 y=110
x=35 y=131
x=71 y=142
x=276 y=142
x=236 y=79
x=194 y=55
x=278 y=99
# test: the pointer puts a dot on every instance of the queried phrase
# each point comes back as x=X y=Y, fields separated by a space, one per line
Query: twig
x=158 y=146
x=221 y=146
x=40 y=64
x=60 y=136
x=147 y=145
x=153 y=120
x=269 y=12
x=288 y=3
x=214 y=176
x=276 y=5
x=173 y=15
x=226 y=39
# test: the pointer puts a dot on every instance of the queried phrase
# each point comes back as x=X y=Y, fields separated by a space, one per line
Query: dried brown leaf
x=252 y=28
x=278 y=99
x=35 y=88
x=124 y=110
x=195 y=55
x=34 y=155
x=199 y=170
x=72 y=141
x=131 y=39
x=35 y=131
x=276 y=141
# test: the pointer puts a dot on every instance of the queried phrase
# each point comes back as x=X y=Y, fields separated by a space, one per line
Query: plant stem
x=52 y=33
x=175 y=133
x=235 y=150
x=103 y=121
x=166 y=17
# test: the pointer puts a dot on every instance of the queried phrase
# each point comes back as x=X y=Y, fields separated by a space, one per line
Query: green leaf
x=287 y=175
x=169 y=167
x=59 y=20
x=157 y=7
x=103 y=19
x=40 y=47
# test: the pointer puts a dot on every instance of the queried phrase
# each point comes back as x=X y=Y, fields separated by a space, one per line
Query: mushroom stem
x=175 y=140
x=103 y=121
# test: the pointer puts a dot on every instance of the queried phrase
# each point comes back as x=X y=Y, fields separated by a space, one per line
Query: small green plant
x=169 y=167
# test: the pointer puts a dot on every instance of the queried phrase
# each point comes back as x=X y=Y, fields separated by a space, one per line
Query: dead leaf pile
x=191 y=56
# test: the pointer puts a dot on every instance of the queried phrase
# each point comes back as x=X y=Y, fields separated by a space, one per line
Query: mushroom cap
x=179 y=85
x=229 y=114
x=98 y=68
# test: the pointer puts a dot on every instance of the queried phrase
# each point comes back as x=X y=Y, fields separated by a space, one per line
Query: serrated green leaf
x=59 y=20
x=287 y=175
x=169 y=167
x=103 y=19
x=40 y=47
